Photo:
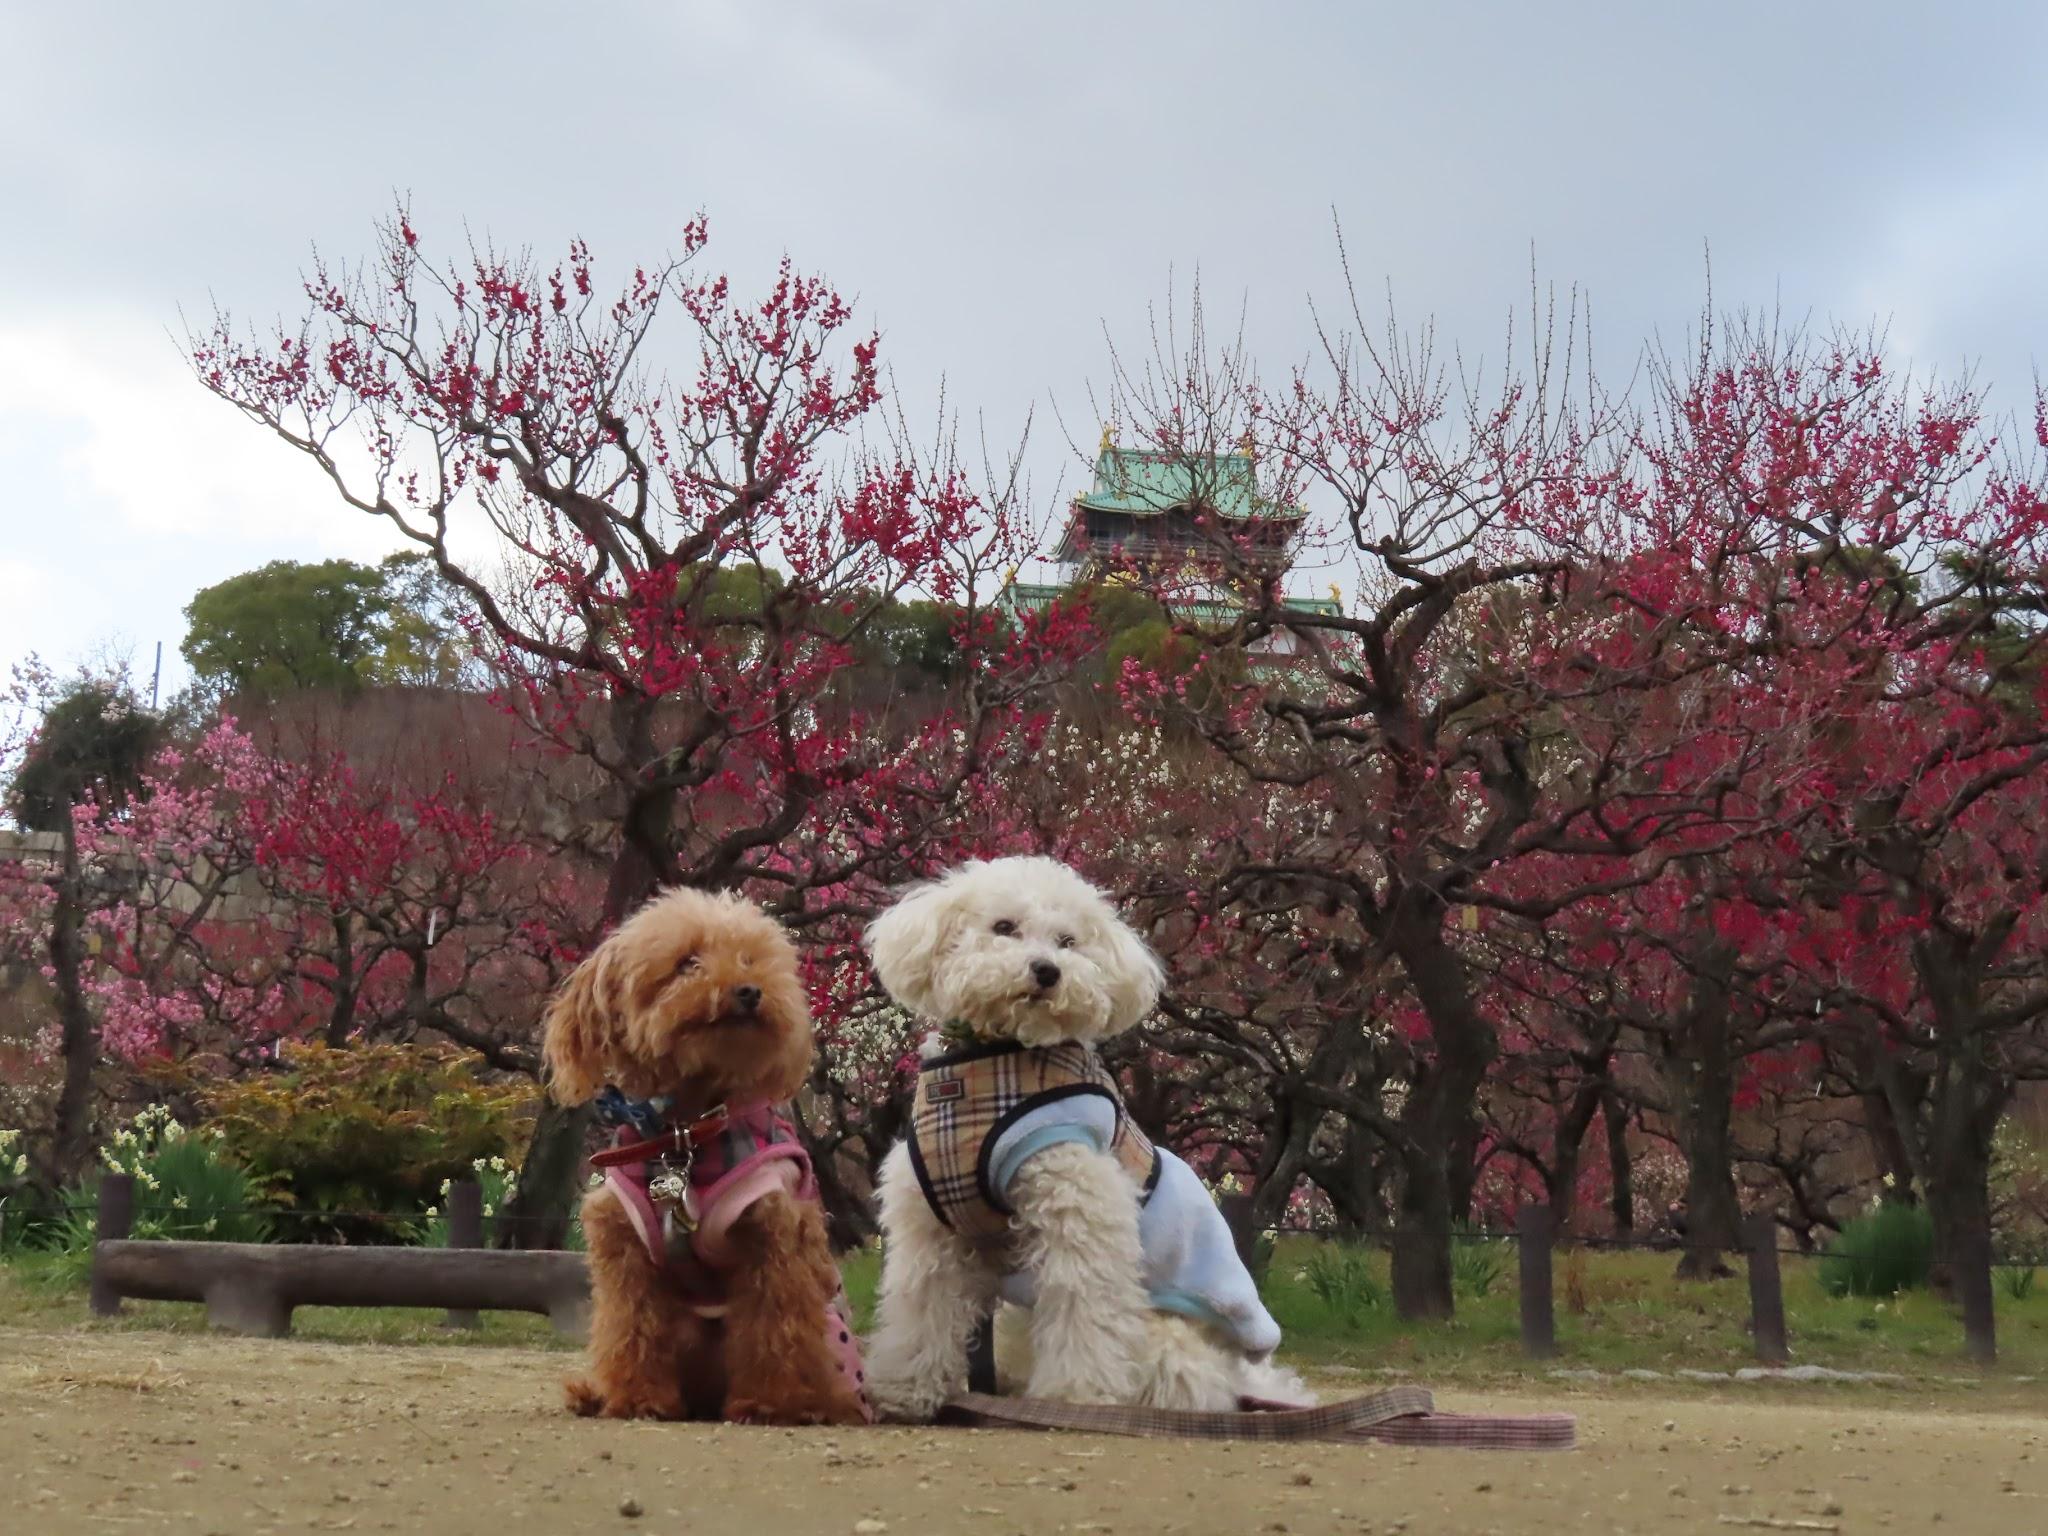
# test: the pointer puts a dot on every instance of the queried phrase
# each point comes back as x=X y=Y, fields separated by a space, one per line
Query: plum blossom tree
x=673 y=550
x=90 y=741
x=1595 y=647
x=263 y=898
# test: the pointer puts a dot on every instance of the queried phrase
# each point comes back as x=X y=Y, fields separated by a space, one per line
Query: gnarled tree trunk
x=1967 y=1094
x=537 y=1215
x=1436 y=1120
x=71 y=1143
x=1621 y=1176
x=1699 y=1071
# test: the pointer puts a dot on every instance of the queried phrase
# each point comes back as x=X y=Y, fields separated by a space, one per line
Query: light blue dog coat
x=1190 y=1263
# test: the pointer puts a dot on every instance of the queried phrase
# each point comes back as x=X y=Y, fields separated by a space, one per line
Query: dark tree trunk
x=341 y=1013
x=1463 y=1166
x=1886 y=1102
x=1436 y=1119
x=71 y=1145
x=1959 y=1201
x=1621 y=1174
x=1354 y=1182
x=1967 y=1094
x=1561 y=1183
x=849 y=1221
x=1888 y=1150
x=1281 y=1163
x=1700 y=1074
x=849 y=1206
x=537 y=1215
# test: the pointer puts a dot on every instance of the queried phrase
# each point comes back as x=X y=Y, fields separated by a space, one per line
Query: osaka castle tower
x=1153 y=519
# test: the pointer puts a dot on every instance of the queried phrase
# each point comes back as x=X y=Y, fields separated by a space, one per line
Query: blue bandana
x=644 y=1117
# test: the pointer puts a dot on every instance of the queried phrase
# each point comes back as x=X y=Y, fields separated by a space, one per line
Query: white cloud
x=145 y=450
x=1955 y=274
x=128 y=487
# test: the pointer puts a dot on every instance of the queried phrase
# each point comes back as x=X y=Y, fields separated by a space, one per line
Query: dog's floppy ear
x=577 y=1027
x=906 y=942
x=1133 y=973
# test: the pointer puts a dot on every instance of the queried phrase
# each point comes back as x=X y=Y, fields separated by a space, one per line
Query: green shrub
x=1477 y=1262
x=2017 y=1280
x=1344 y=1281
x=357 y=1142
x=1889 y=1250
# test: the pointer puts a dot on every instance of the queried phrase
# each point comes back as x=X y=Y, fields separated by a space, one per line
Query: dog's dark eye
x=1004 y=927
x=1066 y=941
x=686 y=964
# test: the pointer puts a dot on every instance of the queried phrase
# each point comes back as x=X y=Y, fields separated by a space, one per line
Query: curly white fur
x=973 y=948
x=939 y=954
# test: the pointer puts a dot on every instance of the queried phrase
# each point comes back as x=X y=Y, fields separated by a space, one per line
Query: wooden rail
x=252 y=1288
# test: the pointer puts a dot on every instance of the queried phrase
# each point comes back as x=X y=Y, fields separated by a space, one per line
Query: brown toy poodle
x=714 y=1294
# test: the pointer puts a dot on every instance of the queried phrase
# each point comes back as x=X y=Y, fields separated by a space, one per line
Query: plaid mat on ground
x=1398 y=1416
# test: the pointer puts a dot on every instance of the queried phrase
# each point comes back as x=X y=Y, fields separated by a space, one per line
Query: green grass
x=1627 y=1311
x=1615 y=1312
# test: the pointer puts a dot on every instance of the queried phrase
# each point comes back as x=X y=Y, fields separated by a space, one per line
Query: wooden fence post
x=1237 y=1215
x=1973 y=1290
x=465 y=1212
x=1766 y=1291
x=113 y=1222
x=981 y=1357
x=1539 y=1315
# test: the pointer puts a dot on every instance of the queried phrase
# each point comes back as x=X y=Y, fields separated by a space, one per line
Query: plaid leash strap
x=1404 y=1416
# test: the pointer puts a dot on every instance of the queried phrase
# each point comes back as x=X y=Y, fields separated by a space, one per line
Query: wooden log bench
x=252 y=1288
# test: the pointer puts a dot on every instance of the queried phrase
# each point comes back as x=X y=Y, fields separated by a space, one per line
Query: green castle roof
x=1140 y=483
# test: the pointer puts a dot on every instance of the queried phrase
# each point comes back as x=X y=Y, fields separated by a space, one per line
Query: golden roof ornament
x=1247 y=446
x=1108 y=439
x=1336 y=594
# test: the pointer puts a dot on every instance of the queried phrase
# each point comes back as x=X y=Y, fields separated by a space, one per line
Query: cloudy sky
x=995 y=181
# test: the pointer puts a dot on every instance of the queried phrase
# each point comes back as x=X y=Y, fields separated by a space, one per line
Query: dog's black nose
x=1046 y=974
x=748 y=998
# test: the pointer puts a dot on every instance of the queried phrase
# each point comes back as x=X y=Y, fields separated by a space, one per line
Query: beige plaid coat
x=967 y=1098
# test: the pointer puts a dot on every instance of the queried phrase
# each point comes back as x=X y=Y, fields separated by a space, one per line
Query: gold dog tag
x=679 y=1229
x=668 y=1186
x=670 y=1189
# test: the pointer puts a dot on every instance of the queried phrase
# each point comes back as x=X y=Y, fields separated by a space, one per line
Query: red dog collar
x=676 y=1139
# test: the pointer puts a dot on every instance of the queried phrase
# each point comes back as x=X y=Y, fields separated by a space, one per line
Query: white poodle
x=1023 y=1180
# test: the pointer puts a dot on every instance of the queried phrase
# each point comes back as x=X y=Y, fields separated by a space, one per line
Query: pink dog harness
x=730 y=1159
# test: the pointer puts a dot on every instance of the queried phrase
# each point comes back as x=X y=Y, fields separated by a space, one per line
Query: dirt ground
x=138 y=1431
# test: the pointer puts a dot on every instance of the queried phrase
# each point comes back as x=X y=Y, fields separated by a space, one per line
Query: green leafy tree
x=421 y=641
x=338 y=625
x=288 y=626
x=94 y=739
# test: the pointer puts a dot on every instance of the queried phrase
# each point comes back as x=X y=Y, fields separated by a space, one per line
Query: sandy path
x=137 y=1431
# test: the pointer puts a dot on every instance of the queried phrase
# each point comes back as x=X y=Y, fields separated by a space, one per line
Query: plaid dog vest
x=967 y=1098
